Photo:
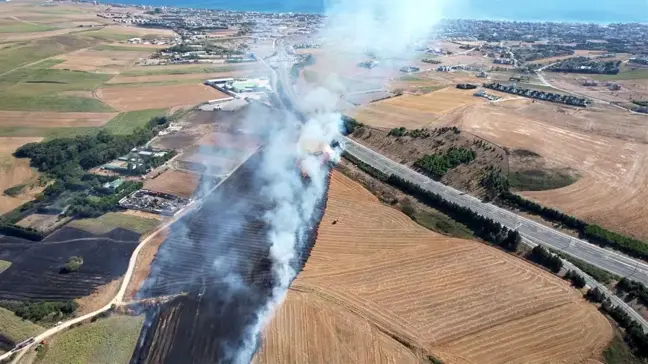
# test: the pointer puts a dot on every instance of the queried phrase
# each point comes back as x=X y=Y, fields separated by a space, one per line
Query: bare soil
x=143 y=264
x=99 y=298
x=177 y=183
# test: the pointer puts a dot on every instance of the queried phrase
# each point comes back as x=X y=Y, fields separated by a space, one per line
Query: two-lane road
x=603 y=258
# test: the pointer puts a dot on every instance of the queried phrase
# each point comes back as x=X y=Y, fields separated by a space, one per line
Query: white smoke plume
x=387 y=28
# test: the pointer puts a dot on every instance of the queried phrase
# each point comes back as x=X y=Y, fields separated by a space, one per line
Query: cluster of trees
x=73 y=264
x=350 y=125
x=422 y=133
x=543 y=257
x=587 y=65
x=436 y=166
x=539 y=51
x=633 y=290
x=485 y=228
x=38 y=311
x=634 y=334
x=595 y=272
x=494 y=182
x=11 y=229
x=370 y=170
x=85 y=206
x=576 y=279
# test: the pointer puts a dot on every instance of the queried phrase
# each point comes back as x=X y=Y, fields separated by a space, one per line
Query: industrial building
x=153 y=202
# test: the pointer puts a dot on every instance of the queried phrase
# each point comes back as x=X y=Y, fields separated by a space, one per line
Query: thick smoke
x=385 y=28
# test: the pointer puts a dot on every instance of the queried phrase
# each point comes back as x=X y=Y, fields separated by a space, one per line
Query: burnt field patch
x=219 y=255
x=35 y=272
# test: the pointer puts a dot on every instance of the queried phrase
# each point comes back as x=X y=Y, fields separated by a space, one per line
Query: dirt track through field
x=379 y=288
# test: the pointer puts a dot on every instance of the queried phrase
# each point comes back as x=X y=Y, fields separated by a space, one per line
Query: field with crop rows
x=379 y=288
x=35 y=270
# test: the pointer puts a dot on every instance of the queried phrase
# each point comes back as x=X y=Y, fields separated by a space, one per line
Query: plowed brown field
x=378 y=288
x=53 y=119
x=157 y=97
x=606 y=147
x=177 y=183
x=413 y=111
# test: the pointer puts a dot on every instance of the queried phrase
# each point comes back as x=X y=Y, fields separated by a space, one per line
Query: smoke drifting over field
x=290 y=204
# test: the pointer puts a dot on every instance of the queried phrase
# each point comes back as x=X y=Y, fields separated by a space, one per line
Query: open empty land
x=379 y=288
x=152 y=97
x=606 y=147
x=100 y=61
x=413 y=111
x=35 y=119
x=14 y=171
x=177 y=183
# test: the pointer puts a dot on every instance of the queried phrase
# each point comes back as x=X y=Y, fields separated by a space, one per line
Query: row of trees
x=594 y=233
x=544 y=257
x=422 y=133
x=635 y=336
x=436 y=166
x=576 y=279
x=485 y=228
x=38 y=311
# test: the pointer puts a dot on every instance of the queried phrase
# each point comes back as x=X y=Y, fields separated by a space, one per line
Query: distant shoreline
x=310 y=7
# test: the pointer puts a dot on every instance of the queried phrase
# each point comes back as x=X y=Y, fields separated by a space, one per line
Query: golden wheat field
x=378 y=288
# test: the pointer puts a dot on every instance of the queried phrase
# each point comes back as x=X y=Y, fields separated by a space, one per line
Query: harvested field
x=89 y=60
x=413 y=111
x=151 y=97
x=190 y=76
x=114 y=220
x=35 y=270
x=183 y=69
x=379 y=288
x=106 y=341
x=14 y=171
x=606 y=148
x=53 y=119
x=177 y=183
x=13 y=329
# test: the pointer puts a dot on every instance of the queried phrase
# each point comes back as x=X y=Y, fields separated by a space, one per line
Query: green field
x=51 y=103
x=625 y=74
x=112 y=220
x=20 y=27
x=106 y=341
x=167 y=70
x=441 y=223
x=4 y=265
x=16 y=329
x=618 y=352
x=39 y=88
x=127 y=122
x=23 y=53
x=541 y=179
x=107 y=35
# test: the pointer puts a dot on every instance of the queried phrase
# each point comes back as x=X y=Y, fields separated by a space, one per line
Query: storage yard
x=153 y=202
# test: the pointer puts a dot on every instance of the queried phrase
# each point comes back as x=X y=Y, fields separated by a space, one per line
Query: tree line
x=544 y=257
x=594 y=233
x=635 y=336
x=421 y=133
x=633 y=289
x=38 y=311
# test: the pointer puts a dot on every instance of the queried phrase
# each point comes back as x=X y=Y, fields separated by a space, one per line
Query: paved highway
x=605 y=259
